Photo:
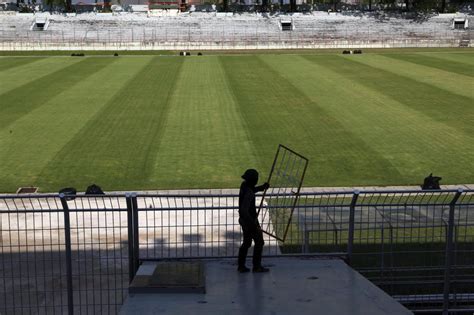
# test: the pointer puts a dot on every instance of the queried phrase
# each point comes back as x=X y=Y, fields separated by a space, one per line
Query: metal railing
x=64 y=255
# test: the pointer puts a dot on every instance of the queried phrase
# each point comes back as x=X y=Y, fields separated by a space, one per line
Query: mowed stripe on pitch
x=23 y=99
x=118 y=146
x=7 y=63
x=466 y=58
x=450 y=81
x=38 y=136
x=204 y=142
x=430 y=61
x=277 y=112
x=395 y=131
x=21 y=75
x=419 y=96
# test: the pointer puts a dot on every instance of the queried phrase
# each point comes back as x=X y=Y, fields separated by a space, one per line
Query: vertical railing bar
x=27 y=260
x=147 y=235
x=96 y=274
x=67 y=239
x=10 y=223
x=114 y=251
x=169 y=224
x=136 y=249
x=18 y=230
x=4 y=254
x=449 y=252
x=59 y=253
x=35 y=254
x=154 y=222
x=350 y=241
x=161 y=219
x=131 y=261
x=181 y=223
x=84 y=243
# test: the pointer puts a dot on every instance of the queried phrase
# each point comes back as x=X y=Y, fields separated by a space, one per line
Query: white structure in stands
x=286 y=24
x=460 y=22
x=212 y=30
x=40 y=23
x=138 y=8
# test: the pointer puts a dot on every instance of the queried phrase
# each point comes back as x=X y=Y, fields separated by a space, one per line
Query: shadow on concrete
x=33 y=273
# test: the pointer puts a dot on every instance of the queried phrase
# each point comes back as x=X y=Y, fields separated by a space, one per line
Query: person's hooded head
x=251 y=177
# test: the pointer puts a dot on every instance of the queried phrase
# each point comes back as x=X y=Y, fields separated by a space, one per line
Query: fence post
x=136 y=251
x=449 y=252
x=67 y=238
x=350 y=240
x=131 y=242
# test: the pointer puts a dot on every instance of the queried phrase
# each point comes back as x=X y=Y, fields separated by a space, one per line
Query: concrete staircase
x=465 y=41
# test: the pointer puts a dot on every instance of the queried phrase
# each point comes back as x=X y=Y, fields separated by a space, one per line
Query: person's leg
x=257 y=251
x=243 y=250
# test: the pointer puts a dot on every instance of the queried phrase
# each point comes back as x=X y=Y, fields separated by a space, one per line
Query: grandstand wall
x=211 y=30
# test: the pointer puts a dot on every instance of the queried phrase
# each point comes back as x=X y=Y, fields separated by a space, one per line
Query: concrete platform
x=293 y=286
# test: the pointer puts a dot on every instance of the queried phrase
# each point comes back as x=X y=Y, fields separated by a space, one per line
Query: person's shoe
x=243 y=269
x=260 y=269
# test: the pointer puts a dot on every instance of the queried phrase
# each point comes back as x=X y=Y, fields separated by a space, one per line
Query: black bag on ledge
x=431 y=182
x=94 y=190
x=69 y=193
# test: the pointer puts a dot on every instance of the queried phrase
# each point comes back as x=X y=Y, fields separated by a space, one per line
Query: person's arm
x=244 y=210
x=262 y=187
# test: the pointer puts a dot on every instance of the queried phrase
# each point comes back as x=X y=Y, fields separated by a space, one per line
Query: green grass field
x=159 y=122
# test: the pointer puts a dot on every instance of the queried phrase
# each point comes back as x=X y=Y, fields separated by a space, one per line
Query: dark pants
x=255 y=234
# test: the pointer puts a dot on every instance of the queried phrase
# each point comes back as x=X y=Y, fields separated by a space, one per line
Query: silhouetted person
x=249 y=222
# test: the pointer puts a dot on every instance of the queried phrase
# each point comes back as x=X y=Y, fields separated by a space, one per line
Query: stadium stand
x=210 y=30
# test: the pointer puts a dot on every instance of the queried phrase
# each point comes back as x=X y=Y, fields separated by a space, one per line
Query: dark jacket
x=247 y=208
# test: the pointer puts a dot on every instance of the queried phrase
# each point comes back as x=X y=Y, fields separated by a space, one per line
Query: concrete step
x=464 y=43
